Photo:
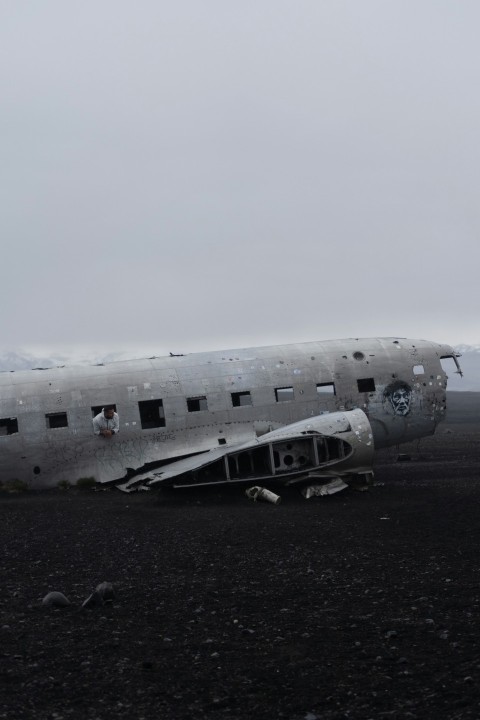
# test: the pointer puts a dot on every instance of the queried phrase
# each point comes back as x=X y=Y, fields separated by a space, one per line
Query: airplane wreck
x=279 y=414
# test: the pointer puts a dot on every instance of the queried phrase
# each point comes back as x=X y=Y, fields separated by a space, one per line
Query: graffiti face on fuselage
x=399 y=394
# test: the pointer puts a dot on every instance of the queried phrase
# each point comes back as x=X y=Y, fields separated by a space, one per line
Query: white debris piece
x=329 y=488
x=258 y=493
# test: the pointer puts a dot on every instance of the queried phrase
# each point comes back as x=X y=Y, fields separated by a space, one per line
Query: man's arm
x=116 y=424
x=96 y=426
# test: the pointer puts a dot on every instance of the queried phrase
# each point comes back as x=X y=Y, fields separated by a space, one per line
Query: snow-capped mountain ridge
x=467 y=349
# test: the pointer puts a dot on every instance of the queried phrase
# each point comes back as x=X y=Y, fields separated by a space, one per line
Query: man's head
x=108 y=412
x=399 y=394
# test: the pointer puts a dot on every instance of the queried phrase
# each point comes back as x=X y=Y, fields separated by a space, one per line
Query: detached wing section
x=332 y=445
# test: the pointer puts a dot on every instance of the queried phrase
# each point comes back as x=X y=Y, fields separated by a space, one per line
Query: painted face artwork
x=399 y=394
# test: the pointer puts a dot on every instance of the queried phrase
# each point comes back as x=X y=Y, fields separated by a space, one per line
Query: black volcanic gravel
x=360 y=605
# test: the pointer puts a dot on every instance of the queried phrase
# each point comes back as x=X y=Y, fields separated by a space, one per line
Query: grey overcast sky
x=201 y=174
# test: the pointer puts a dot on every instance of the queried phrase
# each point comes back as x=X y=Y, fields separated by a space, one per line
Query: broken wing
x=336 y=444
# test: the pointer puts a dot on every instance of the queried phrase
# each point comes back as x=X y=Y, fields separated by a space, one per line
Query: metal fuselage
x=171 y=407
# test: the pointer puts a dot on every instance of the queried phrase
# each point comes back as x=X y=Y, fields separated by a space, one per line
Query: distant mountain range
x=469 y=362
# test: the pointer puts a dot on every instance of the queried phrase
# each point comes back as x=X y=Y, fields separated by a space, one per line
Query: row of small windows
x=152 y=414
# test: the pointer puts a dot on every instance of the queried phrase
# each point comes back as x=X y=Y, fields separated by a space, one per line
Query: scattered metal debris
x=128 y=488
x=329 y=488
x=259 y=493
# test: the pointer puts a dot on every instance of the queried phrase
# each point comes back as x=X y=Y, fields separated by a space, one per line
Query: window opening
x=240 y=399
x=326 y=389
x=366 y=385
x=284 y=394
x=56 y=420
x=446 y=364
x=197 y=404
x=151 y=414
x=8 y=426
x=418 y=370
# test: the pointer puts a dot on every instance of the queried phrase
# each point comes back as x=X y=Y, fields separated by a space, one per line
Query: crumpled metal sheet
x=330 y=488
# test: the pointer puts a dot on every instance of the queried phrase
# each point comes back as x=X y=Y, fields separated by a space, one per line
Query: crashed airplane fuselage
x=275 y=413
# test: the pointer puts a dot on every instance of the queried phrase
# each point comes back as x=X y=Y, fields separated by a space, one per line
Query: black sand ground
x=361 y=605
